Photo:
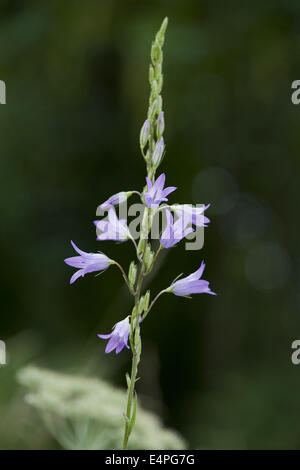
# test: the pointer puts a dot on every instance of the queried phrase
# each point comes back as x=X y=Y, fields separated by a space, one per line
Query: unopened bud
x=146 y=300
x=156 y=53
x=151 y=74
x=141 y=246
x=158 y=152
x=159 y=104
x=160 y=125
x=148 y=257
x=145 y=134
x=152 y=110
x=154 y=87
x=157 y=71
x=144 y=303
x=160 y=36
x=132 y=274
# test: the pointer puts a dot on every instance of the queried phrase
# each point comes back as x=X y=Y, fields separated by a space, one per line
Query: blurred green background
x=216 y=369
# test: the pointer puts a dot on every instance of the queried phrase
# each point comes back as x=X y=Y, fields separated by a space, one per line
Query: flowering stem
x=154 y=111
x=129 y=400
x=135 y=340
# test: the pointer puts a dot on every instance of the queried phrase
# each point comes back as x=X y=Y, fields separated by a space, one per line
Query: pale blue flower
x=193 y=215
x=156 y=192
x=118 y=338
x=191 y=284
x=112 y=228
x=174 y=232
x=87 y=263
x=115 y=200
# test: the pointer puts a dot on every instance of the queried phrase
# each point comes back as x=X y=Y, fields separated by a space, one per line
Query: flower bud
x=146 y=300
x=145 y=134
x=132 y=274
x=141 y=305
x=159 y=104
x=144 y=303
x=160 y=36
x=154 y=89
x=160 y=125
x=148 y=258
x=141 y=246
x=158 y=71
x=156 y=53
x=152 y=110
x=151 y=74
x=160 y=82
x=158 y=152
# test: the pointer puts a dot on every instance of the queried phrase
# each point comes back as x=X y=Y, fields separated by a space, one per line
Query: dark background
x=217 y=369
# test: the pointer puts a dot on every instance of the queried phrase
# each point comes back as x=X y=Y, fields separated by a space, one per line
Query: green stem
x=123 y=273
x=135 y=360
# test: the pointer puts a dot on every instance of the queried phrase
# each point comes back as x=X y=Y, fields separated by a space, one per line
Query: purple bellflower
x=174 y=232
x=156 y=192
x=115 y=200
x=192 y=215
x=112 y=228
x=87 y=263
x=118 y=338
x=191 y=284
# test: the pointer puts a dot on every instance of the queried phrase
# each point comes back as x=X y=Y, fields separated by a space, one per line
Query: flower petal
x=105 y=336
x=76 y=275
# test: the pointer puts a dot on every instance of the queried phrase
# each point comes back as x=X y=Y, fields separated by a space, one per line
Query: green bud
x=151 y=74
x=156 y=53
x=145 y=133
x=160 y=36
x=146 y=300
x=154 y=88
x=160 y=83
x=141 y=246
x=152 y=110
x=159 y=104
x=141 y=305
x=157 y=71
x=147 y=253
x=148 y=257
x=160 y=126
x=132 y=274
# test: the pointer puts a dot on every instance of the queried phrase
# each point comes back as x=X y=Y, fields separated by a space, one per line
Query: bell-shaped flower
x=174 y=232
x=191 y=284
x=156 y=192
x=192 y=215
x=112 y=228
x=87 y=263
x=115 y=200
x=118 y=338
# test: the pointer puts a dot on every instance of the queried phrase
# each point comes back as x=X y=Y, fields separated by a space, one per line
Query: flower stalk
x=153 y=197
